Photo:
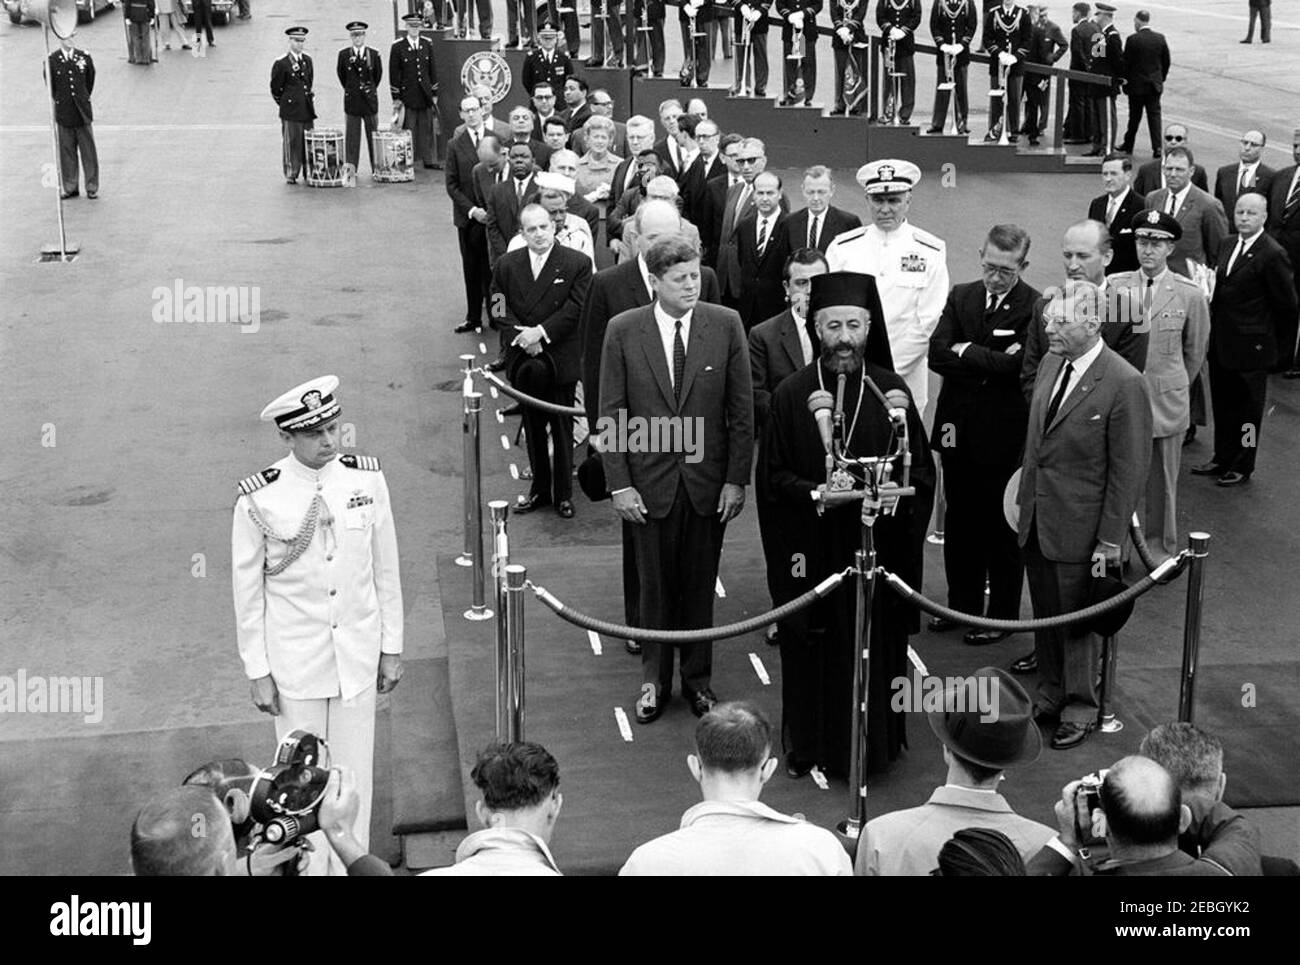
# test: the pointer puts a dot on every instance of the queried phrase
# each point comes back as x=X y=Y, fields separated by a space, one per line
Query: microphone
x=897 y=402
x=819 y=404
x=839 y=409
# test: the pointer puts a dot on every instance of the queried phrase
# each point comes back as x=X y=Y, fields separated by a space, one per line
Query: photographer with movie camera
x=1125 y=821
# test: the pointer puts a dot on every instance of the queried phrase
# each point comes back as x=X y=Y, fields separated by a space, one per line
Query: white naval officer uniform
x=319 y=626
x=911 y=270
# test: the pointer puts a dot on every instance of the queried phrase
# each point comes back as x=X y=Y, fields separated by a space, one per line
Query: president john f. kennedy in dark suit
x=681 y=362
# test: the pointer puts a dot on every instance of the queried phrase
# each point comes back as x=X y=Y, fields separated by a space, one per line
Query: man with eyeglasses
x=1151 y=176
x=980 y=421
x=740 y=203
x=708 y=164
x=910 y=267
x=1248 y=174
x=1146 y=65
x=544 y=109
x=1176 y=314
x=1284 y=227
x=1200 y=215
x=715 y=196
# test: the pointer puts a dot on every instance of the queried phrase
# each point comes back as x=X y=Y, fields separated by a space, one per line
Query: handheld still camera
x=1089 y=791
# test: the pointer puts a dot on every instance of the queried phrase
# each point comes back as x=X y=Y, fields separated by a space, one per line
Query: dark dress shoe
x=632 y=647
x=515 y=409
x=1291 y=374
x=1189 y=436
x=76 y=194
x=526 y=504
x=92 y=195
x=1047 y=716
x=649 y=707
x=934 y=130
x=498 y=364
x=1232 y=478
x=963 y=130
x=982 y=638
x=1070 y=734
x=702 y=702
x=943 y=625
x=795 y=767
x=564 y=509
x=1210 y=468
x=1095 y=152
x=1025 y=665
x=466 y=327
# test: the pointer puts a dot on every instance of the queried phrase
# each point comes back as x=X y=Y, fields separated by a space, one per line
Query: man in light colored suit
x=683 y=364
x=1176 y=315
x=977 y=749
x=1200 y=215
x=1085 y=468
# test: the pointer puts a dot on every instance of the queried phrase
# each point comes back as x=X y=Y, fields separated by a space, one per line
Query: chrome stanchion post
x=1107 y=722
x=1198 y=545
x=516 y=577
x=466 y=557
x=499 y=511
x=474 y=403
x=864 y=560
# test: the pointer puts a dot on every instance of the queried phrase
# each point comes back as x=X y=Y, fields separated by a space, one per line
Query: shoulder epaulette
x=257 y=480
x=923 y=237
x=360 y=462
x=853 y=235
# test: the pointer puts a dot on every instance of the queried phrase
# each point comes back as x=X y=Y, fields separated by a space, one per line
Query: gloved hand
x=796 y=19
x=1007 y=59
x=844 y=34
x=897 y=33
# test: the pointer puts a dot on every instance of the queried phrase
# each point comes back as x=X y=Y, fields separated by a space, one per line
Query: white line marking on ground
x=594 y=637
x=620 y=716
x=760 y=670
x=719 y=589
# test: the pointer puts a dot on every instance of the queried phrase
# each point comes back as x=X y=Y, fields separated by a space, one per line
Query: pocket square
x=1095 y=417
x=558 y=281
x=708 y=368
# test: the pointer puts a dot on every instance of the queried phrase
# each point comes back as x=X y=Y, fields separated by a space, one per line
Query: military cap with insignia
x=546 y=27
x=356 y=26
x=1105 y=8
x=297 y=33
x=1156 y=224
x=305 y=406
x=888 y=176
x=413 y=20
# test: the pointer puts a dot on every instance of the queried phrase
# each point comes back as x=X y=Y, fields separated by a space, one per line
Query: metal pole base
x=56 y=253
x=849 y=828
x=464 y=560
x=478 y=613
x=1110 y=724
x=936 y=537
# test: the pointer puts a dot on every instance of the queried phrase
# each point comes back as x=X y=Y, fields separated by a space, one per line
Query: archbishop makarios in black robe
x=817 y=648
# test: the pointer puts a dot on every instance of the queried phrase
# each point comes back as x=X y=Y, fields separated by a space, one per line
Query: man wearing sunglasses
x=1151 y=177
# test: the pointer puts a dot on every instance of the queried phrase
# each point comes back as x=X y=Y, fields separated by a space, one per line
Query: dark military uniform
x=952 y=22
x=613 y=13
x=904 y=15
x=72 y=79
x=1046 y=46
x=291 y=81
x=1107 y=61
x=413 y=82
x=755 y=56
x=697 y=58
x=1006 y=33
x=648 y=14
x=542 y=69
x=794 y=69
x=360 y=72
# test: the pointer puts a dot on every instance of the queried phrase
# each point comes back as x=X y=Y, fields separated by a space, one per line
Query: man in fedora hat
x=978 y=745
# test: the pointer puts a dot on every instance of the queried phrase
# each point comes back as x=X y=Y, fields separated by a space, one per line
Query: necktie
x=1292 y=199
x=1066 y=371
x=679 y=360
x=1110 y=211
x=1146 y=299
x=1237 y=252
x=812 y=232
x=762 y=236
x=1244 y=184
x=1172 y=203
x=519 y=191
x=990 y=305
x=742 y=200
x=473 y=136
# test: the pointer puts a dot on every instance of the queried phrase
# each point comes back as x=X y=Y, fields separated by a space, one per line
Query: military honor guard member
x=1047 y=45
x=1107 y=60
x=413 y=82
x=952 y=25
x=1007 y=33
x=909 y=265
x=546 y=65
x=799 y=50
x=1177 y=316
x=693 y=18
x=318 y=591
x=291 y=80
x=823 y=527
x=898 y=20
x=848 y=47
x=360 y=70
x=72 y=80
x=749 y=43
x=606 y=33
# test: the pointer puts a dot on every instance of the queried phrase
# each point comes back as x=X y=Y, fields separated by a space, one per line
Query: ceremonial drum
x=394 y=155
x=326 y=158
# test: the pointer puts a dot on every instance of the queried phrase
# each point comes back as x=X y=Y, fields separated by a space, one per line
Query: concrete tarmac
x=127 y=426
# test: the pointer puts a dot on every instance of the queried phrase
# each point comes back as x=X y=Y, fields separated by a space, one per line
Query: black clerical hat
x=859 y=290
